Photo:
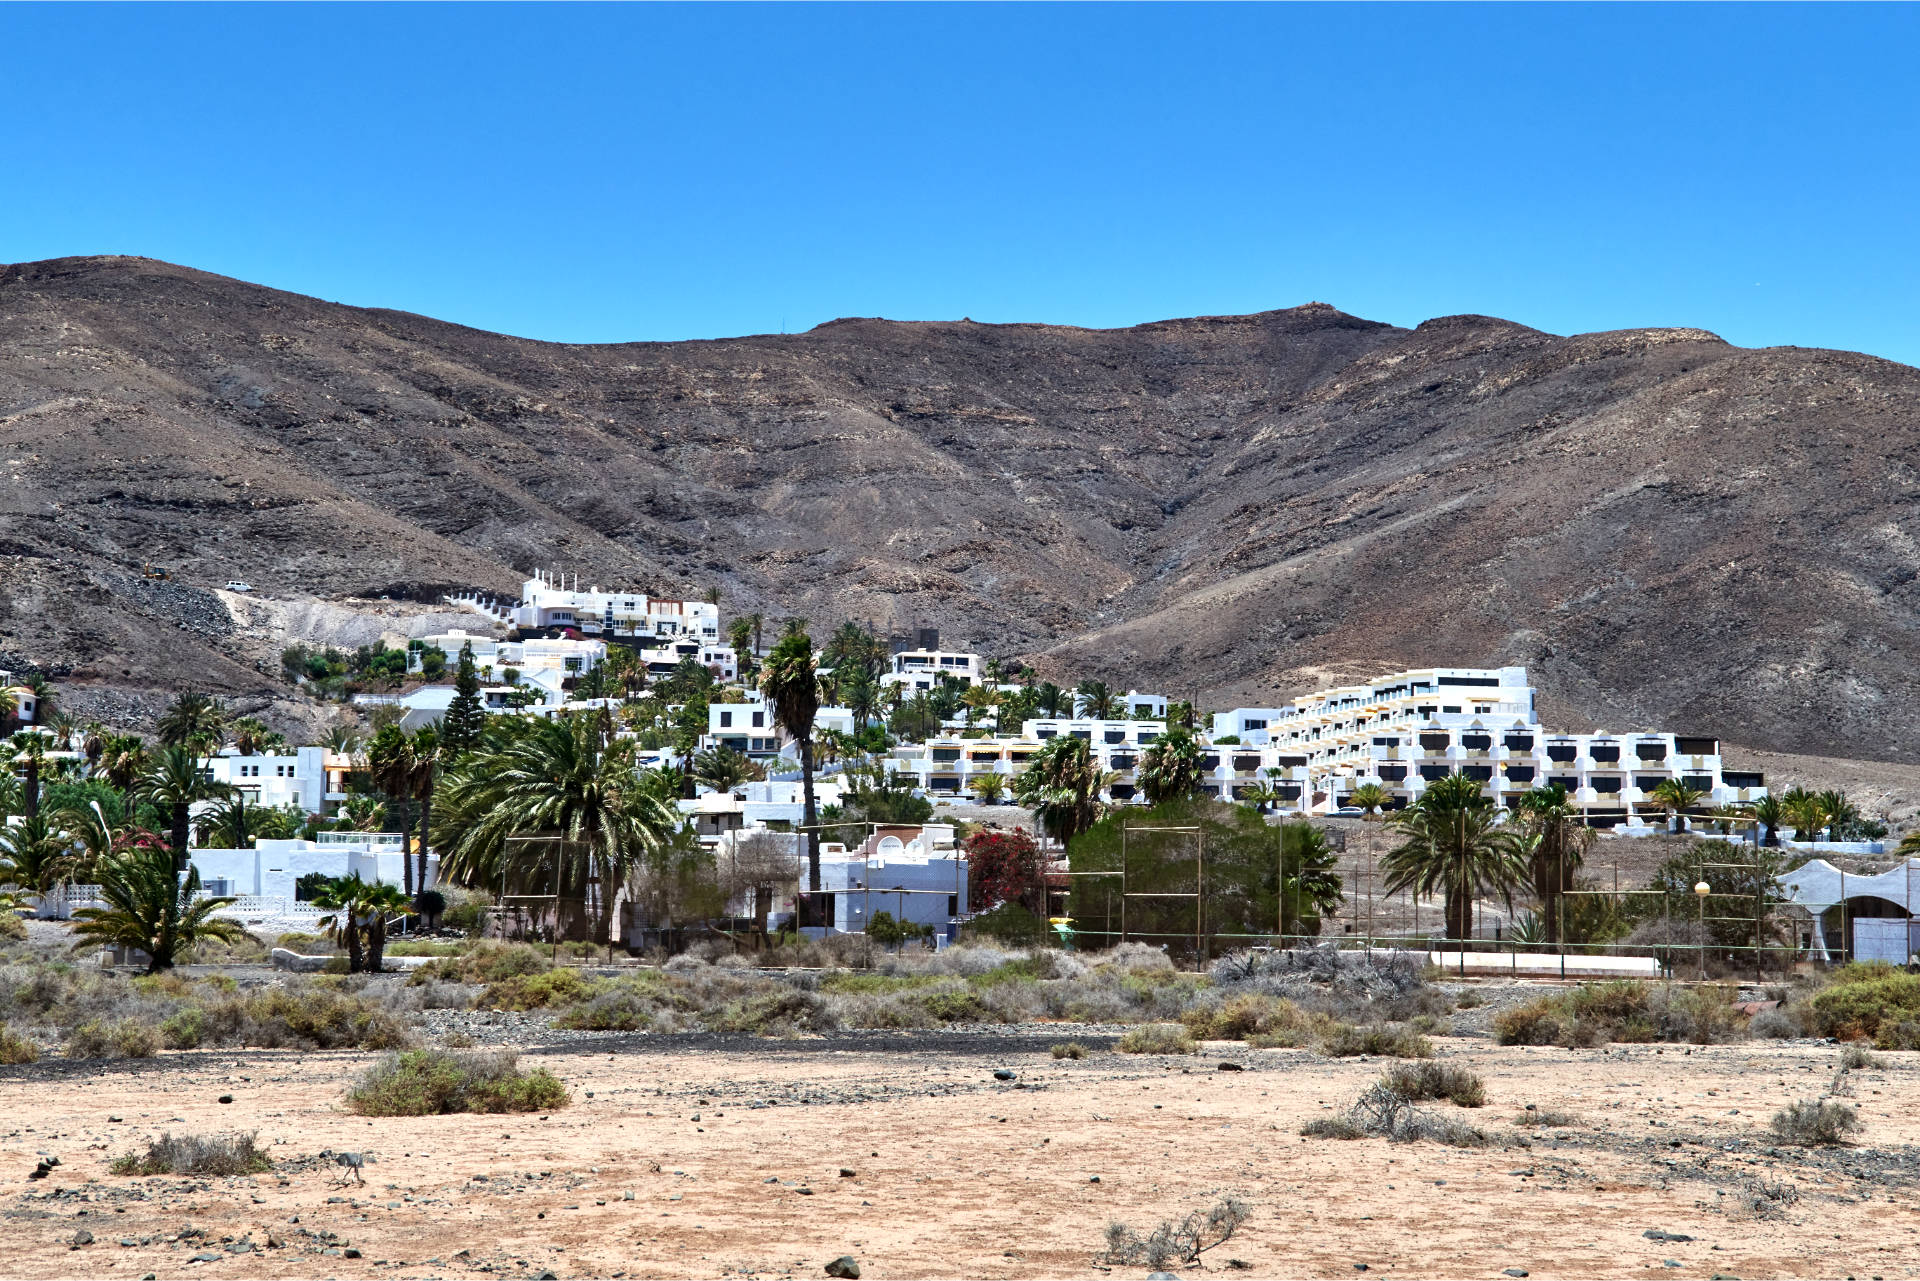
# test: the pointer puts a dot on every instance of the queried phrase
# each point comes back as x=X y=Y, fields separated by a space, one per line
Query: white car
x=235 y=585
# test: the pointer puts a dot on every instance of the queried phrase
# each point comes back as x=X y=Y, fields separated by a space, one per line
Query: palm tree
x=793 y=691
x=390 y=763
x=1371 y=798
x=756 y=620
x=1677 y=798
x=35 y=854
x=1558 y=847
x=344 y=739
x=30 y=748
x=1097 y=701
x=1170 y=768
x=988 y=788
x=1051 y=699
x=977 y=700
x=1805 y=813
x=193 y=720
x=562 y=781
x=122 y=763
x=360 y=911
x=1454 y=844
x=229 y=824
x=1262 y=796
x=740 y=637
x=1062 y=785
x=1772 y=815
x=152 y=908
x=425 y=782
x=723 y=769
x=172 y=783
x=249 y=735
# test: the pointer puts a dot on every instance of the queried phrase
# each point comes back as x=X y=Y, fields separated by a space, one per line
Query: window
x=1562 y=753
x=726 y=720
x=1696 y=782
x=1605 y=752
x=1253 y=724
x=1387 y=741
x=1476 y=742
x=1431 y=772
x=1519 y=742
x=1478 y=773
x=1650 y=751
x=1732 y=779
x=1493 y=681
x=1393 y=773
x=1606 y=786
x=1520 y=773
x=1451 y=711
x=759 y=720
x=1435 y=742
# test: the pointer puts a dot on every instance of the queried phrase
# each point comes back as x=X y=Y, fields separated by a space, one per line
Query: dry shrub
x=536 y=991
x=1858 y=1056
x=1257 y=1018
x=1622 y=1010
x=1068 y=1050
x=1157 y=1038
x=487 y=962
x=1384 y=1113
x=1864 y=1001
x=303 y=1017
x=218 y=1156
x=16 y=1049
x=120 y=1039
x=1545 y=1117
x=1175 y=1243
x=1347 y=1041
x=12 y=928
x=1429 y=1080
x=1777 y=1025
x=776 y=1012
x=1810 y=1124
x=436 y=1082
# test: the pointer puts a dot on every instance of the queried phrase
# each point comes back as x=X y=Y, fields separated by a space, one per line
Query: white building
x=304 y=776
x=747 y=728
x=917 y=669
x=634 y=616
x=273 y=867
x=1145 y=707
x=777 y=805
x=1406 y=730
x=916 y=874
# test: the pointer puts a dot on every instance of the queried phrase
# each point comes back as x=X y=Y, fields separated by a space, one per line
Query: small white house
x=915 y=874
x=272 y=867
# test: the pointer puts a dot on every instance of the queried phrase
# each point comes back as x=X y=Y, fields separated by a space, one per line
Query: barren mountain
x=1667 y=529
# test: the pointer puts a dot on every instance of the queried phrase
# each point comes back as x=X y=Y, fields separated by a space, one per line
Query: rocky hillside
x=1666 y=528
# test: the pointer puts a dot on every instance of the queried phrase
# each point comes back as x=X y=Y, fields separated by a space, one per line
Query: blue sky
x=598 y=173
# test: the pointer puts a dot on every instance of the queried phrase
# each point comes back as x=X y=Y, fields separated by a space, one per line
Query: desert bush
x=1157 y=1038
x=685 y=962
x=1545 y=1117
x=466 y=910
x=536 y=991
x=120 y=1039
x=16 y=1049
x=781 y=1011
x=488 y=962
x=217 y=1156
x=1903 y=1035
x=619 y=1007
x=1430 y=1080
x=1775 y=1025
x=1346 y=1041
x=1469 y=1000
x=307 y=944
x=312 y=1016
x=1810 y=1123
x=957 y=1007
x=1175 y=1243
x=1862 y=999
x=12 y=928
x=1136 y=957
x=243 y=950
x=1067 y=1050
x=436 y=1082
x=1384 y=1113
x=1622 y=1010
x=1855 y=1055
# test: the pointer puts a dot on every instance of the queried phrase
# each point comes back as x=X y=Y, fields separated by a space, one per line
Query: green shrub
x=536 y=991
x=1858 y=1056
x=781 y=1011
x=313 y=1016
x=1537 y=1022
x=862 y=982
x=185 y=1028
x=1430 y=1080
x=436 y=1082
x=119 y=1039
x=1157 y=1038
x=191 y=1154
x=16 y=1049
x=1346 y=1041
x=618 y=1007
x=957 y=1007
x=12 y=928
x=1809 y=1124
x=1862 y=999
x=1068 y=1050
x=487 y=962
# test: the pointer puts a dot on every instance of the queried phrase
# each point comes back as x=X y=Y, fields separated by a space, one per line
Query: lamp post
x=1700 y=891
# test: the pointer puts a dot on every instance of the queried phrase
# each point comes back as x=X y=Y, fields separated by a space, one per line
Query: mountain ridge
x=1667 y=528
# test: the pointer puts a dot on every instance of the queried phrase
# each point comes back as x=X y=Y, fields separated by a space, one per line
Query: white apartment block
x=1406 y=730
x=547 y=602
x=918 y=669
x=303 y=777
x=747 y=728
x=1145 y=707
x=947 y=765
x=491 y=657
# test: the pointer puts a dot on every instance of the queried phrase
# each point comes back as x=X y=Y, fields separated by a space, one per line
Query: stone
x=1655 y=1234
x=1230 y=1067
x=1513 y=1272
x=226 y=1098
x=82 y=1237
x=1002 y=1074
x=845 y=1173
x=1093 y=1178
x=846 y=1266
x=350 y=1252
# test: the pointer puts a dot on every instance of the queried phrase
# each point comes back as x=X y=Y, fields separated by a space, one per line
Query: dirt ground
x=691 y=1157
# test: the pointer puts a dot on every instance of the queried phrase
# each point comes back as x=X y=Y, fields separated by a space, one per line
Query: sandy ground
x=736 y=1158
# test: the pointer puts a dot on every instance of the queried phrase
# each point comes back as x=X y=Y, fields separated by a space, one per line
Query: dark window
x=1210 y=761
x=1288 y=791
x=1647 y=782
x=1123 y=762
x=1451 y=711
x=953 y=905
x=726 y=720
x=1606 y=786
x=1435 y=742
x=1291 y=762
x=1562 y=753
x=1045 y=733
x=1428 y=710
x=1388 y=741
x=1020 y=758
x=1567 y=781
x=946 y=754
x=1696 y=746
x=1519 y=742
x=1146 y=737
x=1605 y=753
x=1084 y=735
x=759 y=720
x=1478 y=681
x=1476 y=742
x=1122 y=791
x=1478 y=773
x=1650 y=751
x=1116 y=736
x=1732 y=779
x=1246 y=762
x=1393 y=773
x=1696 y=782
x=1520 y=773
x=1253 y=724
x=1431 y=772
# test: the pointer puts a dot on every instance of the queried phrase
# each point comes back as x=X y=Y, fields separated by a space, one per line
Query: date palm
x=27 y=750
x=152 y=908
x=1097 y=701
x=390 y=764
x=1556 y=852
x=978 y=700
x=988 y=788
x=1170 y=768
x=122 y=762
x=1676 y=798
x=1062 y=785
x=172 y=783
x=35 y=854
x=1454 y=844
x=792 y=689
x=723 y=769
x=1371 y=798
x=194 y=721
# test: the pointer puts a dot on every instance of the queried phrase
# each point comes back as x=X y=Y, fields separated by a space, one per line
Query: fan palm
x=1454 y=845
x=723 y=769
x=792 y=689
x=1772 y=815
x=360 y=913
x=1371 y=798
x=561 y=780
x=1062 y=785
x=1560 y=845
x=35 y=854
x=172 y=783
x=1170 y=768
x=152 y=908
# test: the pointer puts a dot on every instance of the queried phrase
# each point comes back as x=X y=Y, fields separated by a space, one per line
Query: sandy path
x=733 y=1163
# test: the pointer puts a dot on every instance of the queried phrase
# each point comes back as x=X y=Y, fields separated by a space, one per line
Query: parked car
x=235 y=585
